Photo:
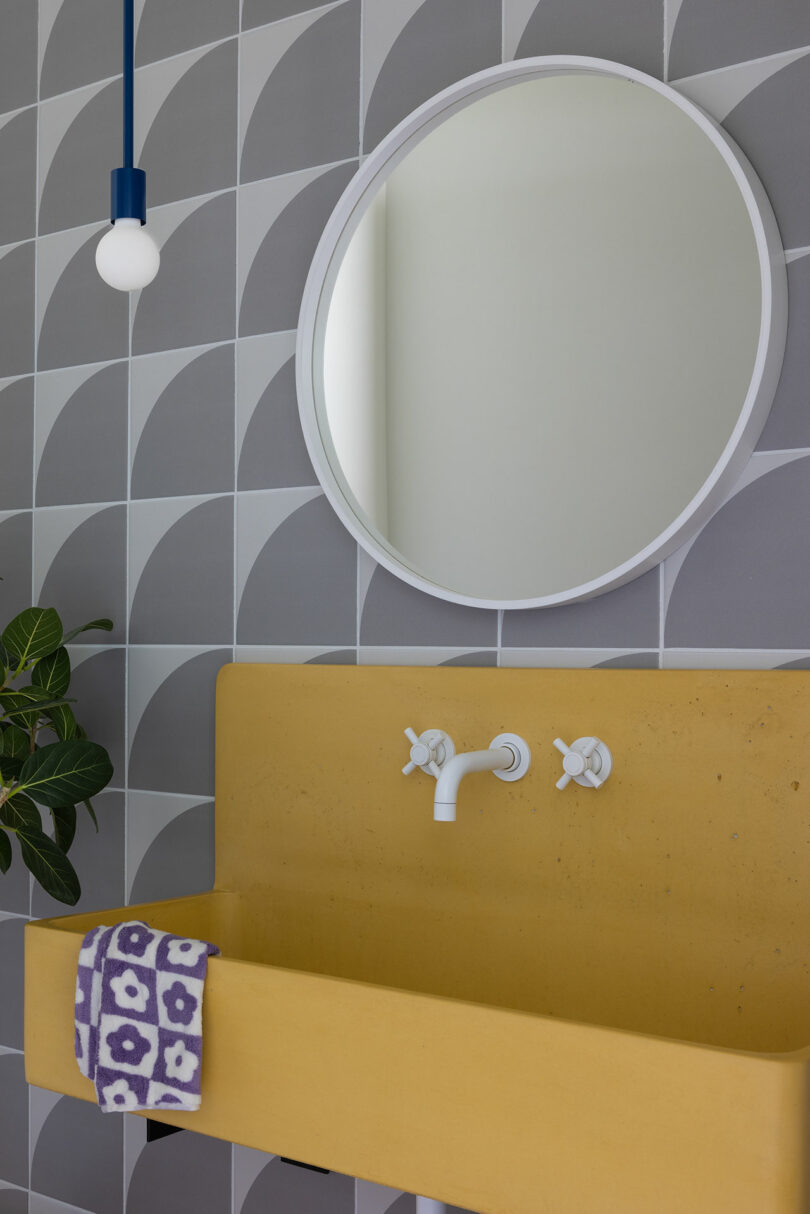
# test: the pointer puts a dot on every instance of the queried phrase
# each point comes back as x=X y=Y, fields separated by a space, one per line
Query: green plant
x=56 y=776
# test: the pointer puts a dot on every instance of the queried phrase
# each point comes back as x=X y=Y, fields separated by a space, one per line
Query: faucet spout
x=497 y=758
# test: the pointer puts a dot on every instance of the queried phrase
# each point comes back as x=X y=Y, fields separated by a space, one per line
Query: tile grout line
x=500 y=613
x=358 y=551
x=665 y=48
x=29 y=1126
x=661 y=614
x=235 y=417
x=237 y=247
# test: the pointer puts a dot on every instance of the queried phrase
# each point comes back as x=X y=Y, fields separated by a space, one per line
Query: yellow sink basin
x=575 y=1002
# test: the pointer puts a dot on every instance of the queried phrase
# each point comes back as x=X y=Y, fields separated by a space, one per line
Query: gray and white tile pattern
x=154 y=469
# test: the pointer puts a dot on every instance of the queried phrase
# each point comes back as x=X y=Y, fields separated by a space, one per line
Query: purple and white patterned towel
x=139 y=1017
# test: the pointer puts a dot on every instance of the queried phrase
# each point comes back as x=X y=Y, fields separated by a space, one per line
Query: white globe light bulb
x=127 y=257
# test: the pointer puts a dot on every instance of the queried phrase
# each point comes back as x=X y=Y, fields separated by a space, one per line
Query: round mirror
x=541 y=333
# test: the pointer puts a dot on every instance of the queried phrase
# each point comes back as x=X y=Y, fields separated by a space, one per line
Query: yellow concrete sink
x=568 y=1002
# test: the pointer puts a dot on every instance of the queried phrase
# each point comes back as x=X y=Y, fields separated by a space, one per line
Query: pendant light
x=127 y=257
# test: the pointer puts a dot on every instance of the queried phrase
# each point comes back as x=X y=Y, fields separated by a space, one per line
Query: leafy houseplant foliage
x=58 y=775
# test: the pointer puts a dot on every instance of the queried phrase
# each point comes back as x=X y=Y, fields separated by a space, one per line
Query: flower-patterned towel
x=139 y=1017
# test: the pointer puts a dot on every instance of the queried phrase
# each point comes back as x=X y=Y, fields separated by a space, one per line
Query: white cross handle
x=588 y=761
x=429 y=751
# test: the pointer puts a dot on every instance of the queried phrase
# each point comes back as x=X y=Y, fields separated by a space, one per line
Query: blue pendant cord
x=129 y=78
x=128 y=184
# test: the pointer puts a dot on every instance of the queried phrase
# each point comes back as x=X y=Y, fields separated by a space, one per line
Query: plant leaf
x=33 y=633
x=63 y=721
x=15 y=743
x=66 y=772
x=106 y=625
x=9 y=769
x=20 y=813
x=27 y=704
x=52 y=673
x=64 y=826
x=91 y=812
x=5 y=852
x=5 y=663
x=50 y=866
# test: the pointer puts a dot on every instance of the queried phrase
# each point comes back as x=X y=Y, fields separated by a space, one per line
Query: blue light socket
x=128 y=194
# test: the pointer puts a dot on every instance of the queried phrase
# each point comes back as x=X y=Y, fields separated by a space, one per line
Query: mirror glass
x=538 y=330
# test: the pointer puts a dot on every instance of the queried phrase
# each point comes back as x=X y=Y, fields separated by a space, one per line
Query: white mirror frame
x=341 y=226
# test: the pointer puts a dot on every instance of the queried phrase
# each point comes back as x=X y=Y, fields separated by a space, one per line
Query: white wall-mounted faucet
x=508 y=757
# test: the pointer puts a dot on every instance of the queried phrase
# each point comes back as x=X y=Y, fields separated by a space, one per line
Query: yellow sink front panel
x=579 y=1002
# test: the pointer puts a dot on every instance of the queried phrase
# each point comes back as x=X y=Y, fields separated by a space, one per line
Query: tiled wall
x=152 y=468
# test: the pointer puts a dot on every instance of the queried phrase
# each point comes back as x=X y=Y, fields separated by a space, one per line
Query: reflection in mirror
x=534 y=346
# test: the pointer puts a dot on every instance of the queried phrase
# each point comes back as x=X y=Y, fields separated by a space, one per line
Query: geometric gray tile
x=714 y=33
x=13 y=1119
x=334 y=657
x=78 y=1157
x=191 y=302
x=183 y=1174
x=11 y=967
x=15 y=562
x=621 y=618
x=85 y=321
x=261 y=12
x=86 y=578
x=98 y=686
x=166 y=29
x=282 y=1187
x=17 y=311
x=373 y=1198
x=630 y=661
x=190 y=147
x=788 y=423
x=627 y=31
x=98 y=858
x=395 y=613
x=76 y=187
x=274 y=453
x=17 y=428
x=173 y=746
x=406 y=1204
x=84 y=45
x=433 y=655
x=744 y=583
x=18 y=55
x=247 y=1164
x=483 y=657
x=778 y=148
x=271 y=298
x=302 y=586
x=18 y=169
x=186 y=445
x=442 y=42
x=306 y=113
x=184 y=594
x=180 y=860
x=93 y=420
x=149 y=816
x=14 y=1201
x=46 y=1205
